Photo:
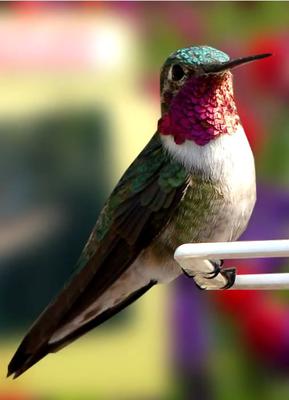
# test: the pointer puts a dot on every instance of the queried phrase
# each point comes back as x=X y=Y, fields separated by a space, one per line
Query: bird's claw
x=230 y=275
x=217 y=264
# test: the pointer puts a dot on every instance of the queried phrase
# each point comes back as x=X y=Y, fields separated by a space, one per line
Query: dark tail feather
x=22 y=360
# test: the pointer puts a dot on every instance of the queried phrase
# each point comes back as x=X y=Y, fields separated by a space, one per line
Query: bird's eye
x=177 y=72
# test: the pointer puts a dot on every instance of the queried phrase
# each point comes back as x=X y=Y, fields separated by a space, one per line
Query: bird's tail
x=44 y=338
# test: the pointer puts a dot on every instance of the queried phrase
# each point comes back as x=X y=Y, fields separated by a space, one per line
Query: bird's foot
x=191 y=276
x=228 y=273
x=185 y=272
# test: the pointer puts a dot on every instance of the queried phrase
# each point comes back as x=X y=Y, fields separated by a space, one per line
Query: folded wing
x=138 y=209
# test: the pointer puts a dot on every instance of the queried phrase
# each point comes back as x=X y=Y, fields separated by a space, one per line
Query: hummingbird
x=193 y=182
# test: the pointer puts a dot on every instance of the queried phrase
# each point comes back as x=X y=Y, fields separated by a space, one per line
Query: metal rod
x=230 y=250
x=262 y=281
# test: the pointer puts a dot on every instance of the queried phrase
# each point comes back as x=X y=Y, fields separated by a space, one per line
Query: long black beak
x=213 y=68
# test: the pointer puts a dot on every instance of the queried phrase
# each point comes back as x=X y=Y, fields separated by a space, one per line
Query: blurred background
x=79 y=99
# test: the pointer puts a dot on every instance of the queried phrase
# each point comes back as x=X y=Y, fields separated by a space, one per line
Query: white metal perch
x=194 y=258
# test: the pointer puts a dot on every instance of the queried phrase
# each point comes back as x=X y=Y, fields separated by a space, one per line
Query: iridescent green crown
x=200 y=55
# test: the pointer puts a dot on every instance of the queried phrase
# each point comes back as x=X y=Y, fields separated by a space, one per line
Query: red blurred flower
x=16 y=396
x=263 y=323
x=253 y=127
x=272 y=73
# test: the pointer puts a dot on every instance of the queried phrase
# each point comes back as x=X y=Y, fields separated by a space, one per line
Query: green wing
x=136 y=212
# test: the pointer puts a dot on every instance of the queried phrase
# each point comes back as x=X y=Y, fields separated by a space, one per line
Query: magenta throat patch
x=202 y=110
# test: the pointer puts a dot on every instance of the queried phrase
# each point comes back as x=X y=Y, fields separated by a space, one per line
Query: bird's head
x=197 y=94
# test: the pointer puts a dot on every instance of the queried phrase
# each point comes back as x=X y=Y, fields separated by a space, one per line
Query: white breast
x=227 y=159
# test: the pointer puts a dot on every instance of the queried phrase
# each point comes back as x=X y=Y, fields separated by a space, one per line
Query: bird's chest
x=215 y=209
x=201 y=210
x=220 y=196
x=209 y=212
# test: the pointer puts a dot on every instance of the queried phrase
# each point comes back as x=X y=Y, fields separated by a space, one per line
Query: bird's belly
x=206 y=214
